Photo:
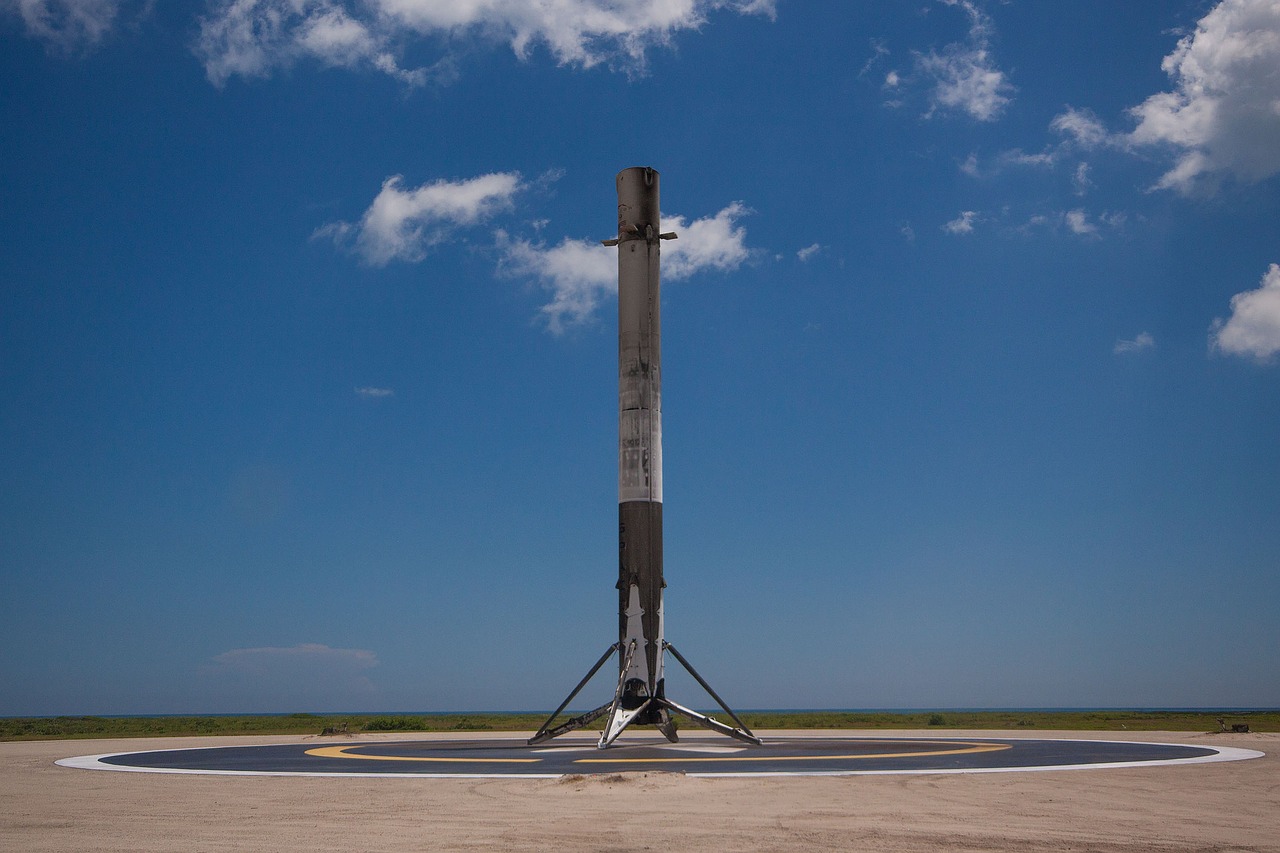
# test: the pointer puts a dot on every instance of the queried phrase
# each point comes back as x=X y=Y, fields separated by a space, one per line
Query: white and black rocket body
x=640 y=581
x=640 y=697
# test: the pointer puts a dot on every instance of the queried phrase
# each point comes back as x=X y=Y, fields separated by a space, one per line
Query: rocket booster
x=640 y=582
x=640 y=697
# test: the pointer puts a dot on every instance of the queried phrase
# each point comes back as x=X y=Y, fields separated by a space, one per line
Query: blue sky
x=308 y=356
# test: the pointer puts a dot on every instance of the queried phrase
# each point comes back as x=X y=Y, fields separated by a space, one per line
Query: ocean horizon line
x=1154 y=709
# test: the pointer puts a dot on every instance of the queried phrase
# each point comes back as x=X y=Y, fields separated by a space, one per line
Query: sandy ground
x=1232 y=806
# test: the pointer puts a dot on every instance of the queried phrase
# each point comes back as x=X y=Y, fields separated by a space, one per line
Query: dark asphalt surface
x=787 y=755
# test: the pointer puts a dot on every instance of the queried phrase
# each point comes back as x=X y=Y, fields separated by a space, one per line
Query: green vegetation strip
x=56 y=728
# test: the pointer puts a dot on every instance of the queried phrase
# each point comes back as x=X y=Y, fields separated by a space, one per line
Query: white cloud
x=269 y=657
x=65 y=25
x=962 y=224
x=1114 y=219
x=1013 y=157
x=1082 y=130
x=1082 y=127
x=375 y=393
x=1253 y=328
x=253 y=37
x=582 y=273
x=710 y=243
x=1223 y=116
x=1018 y=157
x=964 y=74
x=308 y=676
x=878 y=52
x=579 y=274
x=402 y=224
x=809 y=251
x=1080 y=180
x=1078 y=221
x=1143 y=341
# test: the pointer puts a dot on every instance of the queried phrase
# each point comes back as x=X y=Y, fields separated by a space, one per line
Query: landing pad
x=781 y=756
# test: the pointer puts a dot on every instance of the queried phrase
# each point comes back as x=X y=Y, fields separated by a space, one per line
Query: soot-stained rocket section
x=640 y=580
x=641 y=696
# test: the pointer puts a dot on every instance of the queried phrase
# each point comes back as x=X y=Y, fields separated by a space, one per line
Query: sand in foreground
x=1232 y=806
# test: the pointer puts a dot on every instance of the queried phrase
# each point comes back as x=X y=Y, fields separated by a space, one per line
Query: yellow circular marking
x=341 y=752
x=970 y=748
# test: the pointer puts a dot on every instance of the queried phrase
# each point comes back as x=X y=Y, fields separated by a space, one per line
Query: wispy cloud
x=878 y=52
x=964 y=75
x=1080 y=180
x=1223 y=115
x=1078 y=223
x=1080 y=130
x=580 y=274
x=66 y=25
x=375 y=393
x=1142 y=341
x=253 y=38
x=1253 y=329
x=404 y=223
x=808 y=252
x=1081 y=127
x=962 y=224
x=308 y=676
x=270 y=657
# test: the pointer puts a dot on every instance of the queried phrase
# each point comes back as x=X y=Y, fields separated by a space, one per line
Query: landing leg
x=577 y=722
x=652 y=709
x=741 y=732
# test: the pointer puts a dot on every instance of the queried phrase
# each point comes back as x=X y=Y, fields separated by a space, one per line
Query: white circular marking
x=709 y=749
x=1221 y=753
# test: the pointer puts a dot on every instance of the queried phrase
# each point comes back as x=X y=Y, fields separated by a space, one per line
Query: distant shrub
x=937 y=720
x=395 y=724
x=469 y=724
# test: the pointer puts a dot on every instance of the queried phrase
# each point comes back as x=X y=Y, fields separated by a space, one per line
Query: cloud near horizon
x=267 y=657
x=308 y=676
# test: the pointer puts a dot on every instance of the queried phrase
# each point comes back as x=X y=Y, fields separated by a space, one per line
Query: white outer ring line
x=1221 y=753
